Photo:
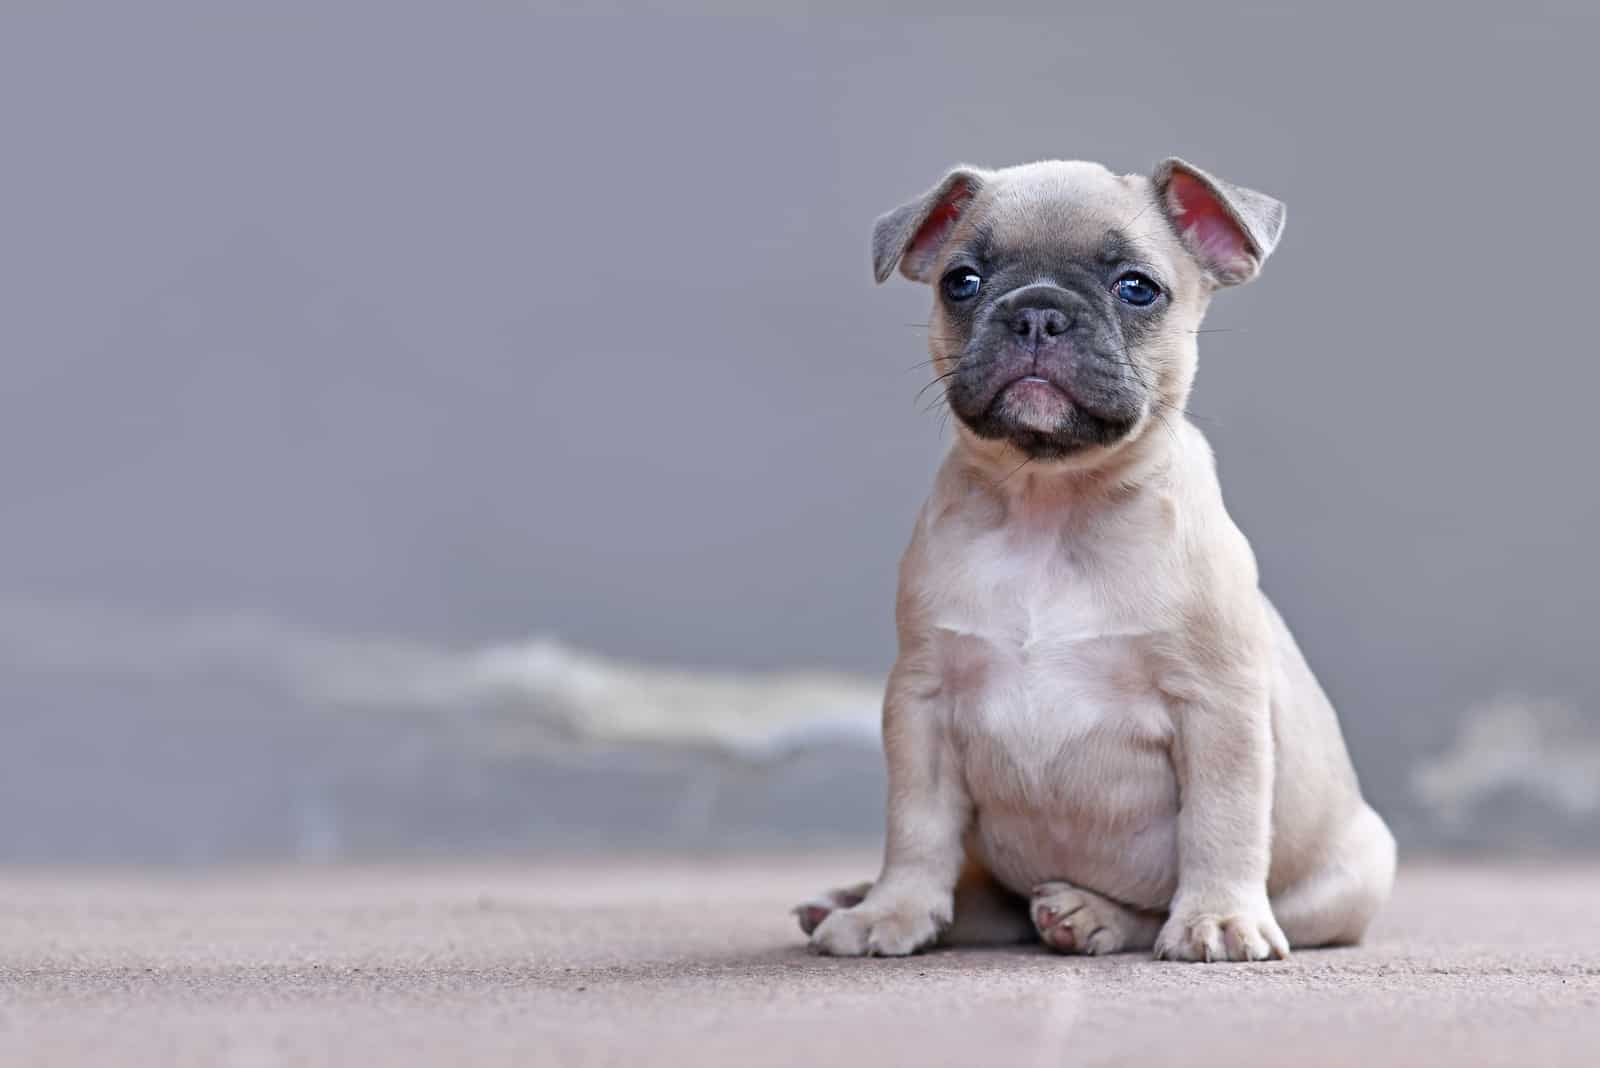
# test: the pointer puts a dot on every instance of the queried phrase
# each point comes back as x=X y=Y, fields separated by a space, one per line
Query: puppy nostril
x=1037 y=323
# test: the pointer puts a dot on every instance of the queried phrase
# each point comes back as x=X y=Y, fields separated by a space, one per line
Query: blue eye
x=961 y=284
x=1134 y=288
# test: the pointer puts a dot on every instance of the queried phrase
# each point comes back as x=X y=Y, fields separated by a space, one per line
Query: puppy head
x=1066 y=298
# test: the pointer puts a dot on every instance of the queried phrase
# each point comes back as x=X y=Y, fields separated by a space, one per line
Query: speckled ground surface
x=694 y=961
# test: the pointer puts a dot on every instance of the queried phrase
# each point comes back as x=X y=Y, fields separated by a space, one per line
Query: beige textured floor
x=694 y=962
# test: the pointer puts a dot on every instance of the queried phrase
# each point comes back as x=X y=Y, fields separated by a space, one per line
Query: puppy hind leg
x=1333 y=906
x=1073 y=920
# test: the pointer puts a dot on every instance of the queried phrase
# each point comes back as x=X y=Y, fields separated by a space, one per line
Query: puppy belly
x=1064 y=745
x=1072 y=782
x=1137 y=866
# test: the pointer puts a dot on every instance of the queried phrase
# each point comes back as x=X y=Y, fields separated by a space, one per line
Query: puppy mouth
x=1034 y=403
x=1045 y=419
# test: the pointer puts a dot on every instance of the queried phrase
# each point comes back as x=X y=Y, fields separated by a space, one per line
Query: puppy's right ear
x=912 y=234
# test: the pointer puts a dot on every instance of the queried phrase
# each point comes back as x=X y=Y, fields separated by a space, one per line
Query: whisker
x=937 y=379
x=1158 y=405
x=1140 y=215
x=1014 y=470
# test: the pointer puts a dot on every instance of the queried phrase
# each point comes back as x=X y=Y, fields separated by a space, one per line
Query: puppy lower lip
x=1037 y=380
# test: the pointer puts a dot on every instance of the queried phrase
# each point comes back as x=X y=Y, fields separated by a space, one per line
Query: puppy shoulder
x=1219 y=600
x=1212 y=541
x=917 y=562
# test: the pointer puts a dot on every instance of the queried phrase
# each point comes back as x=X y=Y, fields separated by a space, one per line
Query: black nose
x=1041 y=312
x=1036 y=323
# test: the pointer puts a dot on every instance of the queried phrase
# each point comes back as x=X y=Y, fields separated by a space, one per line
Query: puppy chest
x=1032 y=716
x=1049 y=680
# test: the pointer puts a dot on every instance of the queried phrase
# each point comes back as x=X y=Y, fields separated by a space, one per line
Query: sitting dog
x=1099 y=731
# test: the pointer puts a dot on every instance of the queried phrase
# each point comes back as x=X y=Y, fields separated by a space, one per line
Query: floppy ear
x=1230 y=230
x=912 y=234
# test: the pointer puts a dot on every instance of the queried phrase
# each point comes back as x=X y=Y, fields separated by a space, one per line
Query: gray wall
x=456 y=323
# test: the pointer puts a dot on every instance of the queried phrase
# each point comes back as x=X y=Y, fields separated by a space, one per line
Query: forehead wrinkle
x=1047 y=247
x=1055 y=227
x=1114 y=246
x=981 y=243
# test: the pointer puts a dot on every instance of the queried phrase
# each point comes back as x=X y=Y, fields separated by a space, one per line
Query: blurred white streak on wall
x=1542 y=748
x=561 y=695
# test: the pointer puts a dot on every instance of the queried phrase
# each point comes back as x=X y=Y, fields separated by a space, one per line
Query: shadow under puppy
x=1099 y=731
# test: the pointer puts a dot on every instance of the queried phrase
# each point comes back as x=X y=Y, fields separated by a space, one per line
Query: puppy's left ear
x=1229 y=229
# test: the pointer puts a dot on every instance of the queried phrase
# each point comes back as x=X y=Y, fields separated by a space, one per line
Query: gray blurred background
x=395 y=392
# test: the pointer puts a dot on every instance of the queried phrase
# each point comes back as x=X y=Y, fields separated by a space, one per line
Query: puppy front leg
x=1223 y=756
x=912 y=901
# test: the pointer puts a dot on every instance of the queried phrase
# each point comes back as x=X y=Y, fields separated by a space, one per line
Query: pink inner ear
x=1216 y=239
x=936 y=228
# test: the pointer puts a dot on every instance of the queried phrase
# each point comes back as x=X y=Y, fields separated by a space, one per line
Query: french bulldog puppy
x=1099 y=731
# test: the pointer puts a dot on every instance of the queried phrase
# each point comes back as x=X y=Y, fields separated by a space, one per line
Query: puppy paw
x=887 y=927
x=811 y=913
x=1070 y=920
x=1237 y=931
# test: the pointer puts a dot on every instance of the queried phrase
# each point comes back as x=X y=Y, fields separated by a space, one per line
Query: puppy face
x=1066 y=298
